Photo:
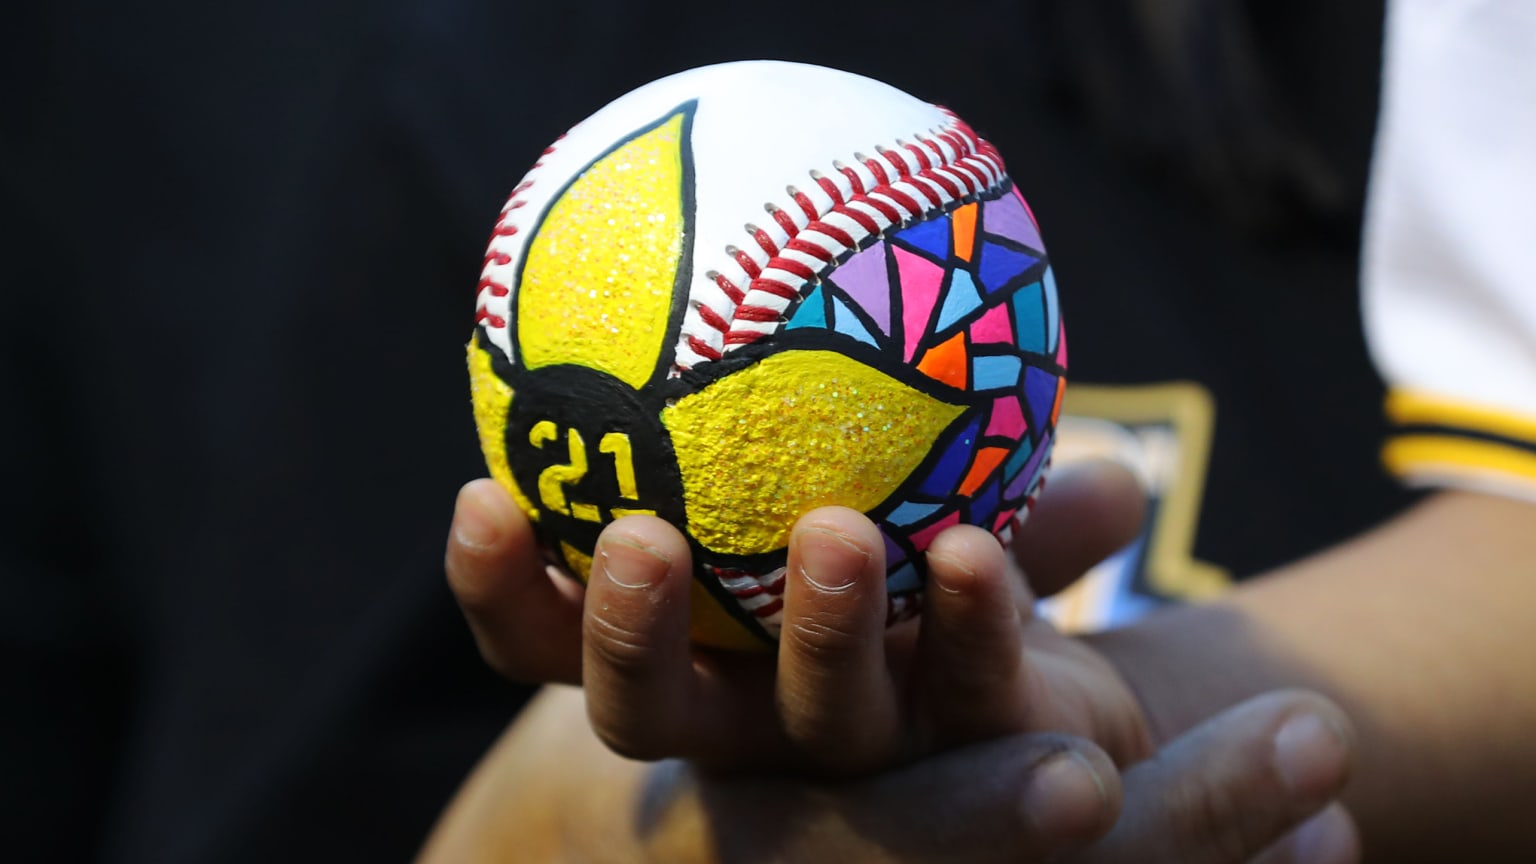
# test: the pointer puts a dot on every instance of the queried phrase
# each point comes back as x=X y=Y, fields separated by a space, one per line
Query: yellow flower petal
x=597 y=285
x=493 y=400
x=579 y=562
x=713 y=626
x=799 y=430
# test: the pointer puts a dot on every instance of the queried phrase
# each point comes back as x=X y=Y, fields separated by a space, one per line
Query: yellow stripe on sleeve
x=1445 y=456
x=1412 y=408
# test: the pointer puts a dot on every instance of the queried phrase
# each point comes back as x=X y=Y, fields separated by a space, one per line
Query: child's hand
x=844 y=694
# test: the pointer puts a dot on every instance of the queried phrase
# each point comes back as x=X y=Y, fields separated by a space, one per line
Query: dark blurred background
x=240 y=252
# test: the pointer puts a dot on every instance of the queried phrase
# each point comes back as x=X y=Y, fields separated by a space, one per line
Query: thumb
x=1228 y=790
x=1012 y=800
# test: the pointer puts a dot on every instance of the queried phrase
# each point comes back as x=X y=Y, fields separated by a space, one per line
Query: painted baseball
x=749 y=290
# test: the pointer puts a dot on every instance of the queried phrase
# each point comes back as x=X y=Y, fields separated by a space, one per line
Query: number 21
x=554 y=479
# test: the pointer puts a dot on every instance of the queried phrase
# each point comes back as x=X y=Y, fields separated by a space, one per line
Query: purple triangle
x=1009 y=217
x=867 y=283
x=894 y=554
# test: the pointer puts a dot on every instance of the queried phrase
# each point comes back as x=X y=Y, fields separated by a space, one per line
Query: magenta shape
x=1027 y=209
x=920 y=281
x=993 y=326
x=1009 y=217
x=1061 y=344
x=867 y=283
x=1003 y=518
x=1007 y=418
x=921 y=540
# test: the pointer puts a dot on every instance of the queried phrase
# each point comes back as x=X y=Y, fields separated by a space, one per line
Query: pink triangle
x=993 y=326
x=1061 y=344
x=921 y=540
x=1027 y=209
x=1007 y=418
x=920 y=281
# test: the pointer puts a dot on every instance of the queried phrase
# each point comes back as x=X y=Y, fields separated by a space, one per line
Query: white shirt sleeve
x=1450 y=243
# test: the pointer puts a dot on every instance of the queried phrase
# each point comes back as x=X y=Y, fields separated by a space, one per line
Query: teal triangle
x=848 y=324
x=999 y=264
x=961 y=300
x=812 y=312
x=1029 y=318
x=931 y=237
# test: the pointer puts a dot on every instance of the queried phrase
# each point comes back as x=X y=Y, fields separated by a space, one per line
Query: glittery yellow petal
x=798 y=430
x=597 y=285
x=493 y=399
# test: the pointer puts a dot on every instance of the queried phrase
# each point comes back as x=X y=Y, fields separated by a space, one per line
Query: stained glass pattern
x=968 y=300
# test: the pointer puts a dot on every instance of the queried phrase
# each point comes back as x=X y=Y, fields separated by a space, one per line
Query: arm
x=1424 y=630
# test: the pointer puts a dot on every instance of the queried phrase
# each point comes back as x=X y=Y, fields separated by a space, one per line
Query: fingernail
x=829 y=560
x=632 y=565
x=472 y=525
x=1327 y=838
x=1311 y=755
x=1065 y=797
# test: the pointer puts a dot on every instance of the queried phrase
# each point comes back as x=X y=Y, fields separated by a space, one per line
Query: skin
x=1424 y=630
x=861 y=720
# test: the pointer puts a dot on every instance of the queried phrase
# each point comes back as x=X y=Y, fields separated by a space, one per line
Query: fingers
x=1015 y=799
x=1089 y=511
x=834 y=693
x=637 y=666
x=1228 y=790
x=970 y=650
x=527 y=629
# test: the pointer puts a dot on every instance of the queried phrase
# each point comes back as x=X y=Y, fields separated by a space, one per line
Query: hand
x=844 y=695
x=1232 y=790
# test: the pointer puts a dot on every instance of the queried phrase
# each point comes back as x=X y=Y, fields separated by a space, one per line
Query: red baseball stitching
x=912 y=180
x=495 y=257
x=760 y=595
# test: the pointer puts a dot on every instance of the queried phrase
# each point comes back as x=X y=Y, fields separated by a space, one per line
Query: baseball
x=749 y=290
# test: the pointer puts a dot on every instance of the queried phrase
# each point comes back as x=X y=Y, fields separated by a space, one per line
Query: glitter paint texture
x=601 y=270
x=916 y=378
x=797 y=431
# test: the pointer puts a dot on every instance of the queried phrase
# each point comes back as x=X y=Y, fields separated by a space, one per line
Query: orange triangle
x=947 y=362
x=986 y=461
x=1061 y=389
x=963 y=227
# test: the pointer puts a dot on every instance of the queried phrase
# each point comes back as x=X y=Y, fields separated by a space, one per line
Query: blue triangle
x=931 y=237
x=1040 y=391
x=811 y=313
x=1000 y=264
x=950 y=470
x=904 y=579
x=848 y=324
x=961 y=299
x=910 y=512
x=984 y=505
x=1052 y=315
